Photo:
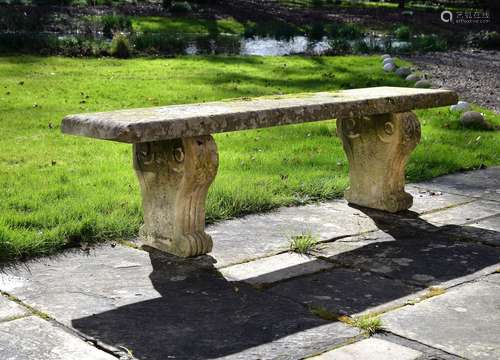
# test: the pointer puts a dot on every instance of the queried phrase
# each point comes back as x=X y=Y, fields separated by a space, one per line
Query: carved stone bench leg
x=377 y=148
x=174 y=176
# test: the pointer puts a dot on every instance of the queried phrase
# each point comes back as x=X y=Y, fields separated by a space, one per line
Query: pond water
x=268 y=46
x=192 y=44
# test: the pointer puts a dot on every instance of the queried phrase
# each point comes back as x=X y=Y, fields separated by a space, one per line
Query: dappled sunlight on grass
x=58 y=190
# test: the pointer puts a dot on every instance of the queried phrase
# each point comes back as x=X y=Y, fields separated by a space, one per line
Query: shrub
x=402 y=33
x=32 y=21
x=166 y=4
x=339 y=47
x=317 y=31
x=317 y=3
x=160 y=43
x=114 y=23
x=429 y=43
x=361 y=47
x=181 y=7
x=347 y=31
x=120 y=47
x=489 y=40
x=250 y=30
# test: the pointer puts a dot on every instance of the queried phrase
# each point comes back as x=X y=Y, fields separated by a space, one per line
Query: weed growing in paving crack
x=369 y=323
x=323 y=313
x=431 y=292
x=304 y=243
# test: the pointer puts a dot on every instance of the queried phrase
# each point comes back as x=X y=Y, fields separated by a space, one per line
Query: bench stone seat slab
x=175 y=156
x=178 y=121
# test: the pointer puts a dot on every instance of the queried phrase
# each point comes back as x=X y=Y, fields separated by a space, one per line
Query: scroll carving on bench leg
x=377 y=148
x=174 y=176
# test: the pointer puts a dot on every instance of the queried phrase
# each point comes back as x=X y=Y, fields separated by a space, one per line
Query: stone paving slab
x=464 y=214
x=464 y=321
x=275 y=268
x=425 y=200
x=10 y=310
x=372 y=349
x=159 y=306
x=346 y=292
x=486 y=231
x=299 y=345
x=32 y=338
x=415 y=256
x=494 y=278
x=257 y=236
x=428 y=352
x=82 y=284
x=491 y=223
x=483 y=184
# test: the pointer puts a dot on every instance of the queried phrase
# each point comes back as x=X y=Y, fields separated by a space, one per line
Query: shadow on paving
x=202 y=315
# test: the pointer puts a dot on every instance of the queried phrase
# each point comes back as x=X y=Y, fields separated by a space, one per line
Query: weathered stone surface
x=488 y=230
x=174 y=176
x=299 y=345
x=275 y=268
x=413 y=77
x=491 y=223
x=428 y=352
x=256 y=236
x=373 y=349
x=10 y=310
x=464 y=321
x=485 y=231
x=377 y=148
x=82 y=284
x=388 y=60
x=463 y=214
x=494 y=278
x=32 y=338
x=423 y=84
x=474 y=119
x=156 y=305
x=425 y=201
x=385 y=56
x=460 y=106
x=173 y=122
x=411 y=254
x=403 y=72
x=483 y=183
x=343 y=291
x=389 y=67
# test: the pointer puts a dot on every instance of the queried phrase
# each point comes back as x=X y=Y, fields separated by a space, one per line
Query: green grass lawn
x=229 y=25
x=325 y=3
x=410 y=5
x=59 y=190
x=159 y=24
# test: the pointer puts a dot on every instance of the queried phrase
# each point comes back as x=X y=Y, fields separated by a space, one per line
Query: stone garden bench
x=175 y=156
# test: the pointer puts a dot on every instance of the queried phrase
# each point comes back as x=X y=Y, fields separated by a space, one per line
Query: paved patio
x=252 y=299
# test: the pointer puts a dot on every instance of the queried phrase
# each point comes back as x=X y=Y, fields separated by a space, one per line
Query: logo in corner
x=447 y=16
